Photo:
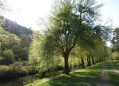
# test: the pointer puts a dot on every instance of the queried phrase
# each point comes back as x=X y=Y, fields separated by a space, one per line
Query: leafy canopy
x=72 y=22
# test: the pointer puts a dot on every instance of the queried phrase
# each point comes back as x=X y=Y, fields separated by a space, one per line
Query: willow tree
x=115 y=40
x=71 y=22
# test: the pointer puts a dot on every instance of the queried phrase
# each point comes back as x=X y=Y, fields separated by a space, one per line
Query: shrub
x=14 y=70
x=16 y=67
x=8 y=57
x=31 y=69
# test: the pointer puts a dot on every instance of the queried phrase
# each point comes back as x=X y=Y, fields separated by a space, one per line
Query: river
x=20 y=81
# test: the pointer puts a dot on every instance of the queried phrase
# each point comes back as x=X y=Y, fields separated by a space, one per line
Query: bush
x=31 y=69
x=16 y=67
x=14 y=70
x=8 y=57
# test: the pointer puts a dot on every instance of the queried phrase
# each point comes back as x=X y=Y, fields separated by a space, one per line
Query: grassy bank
x=112 y=76
x=82 y=77
x=116 y=64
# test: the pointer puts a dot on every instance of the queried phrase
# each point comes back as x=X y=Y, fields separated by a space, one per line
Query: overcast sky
x=31 y=10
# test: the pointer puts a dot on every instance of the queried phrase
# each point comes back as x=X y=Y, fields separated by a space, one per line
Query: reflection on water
x=19 y=81
x=28 y=79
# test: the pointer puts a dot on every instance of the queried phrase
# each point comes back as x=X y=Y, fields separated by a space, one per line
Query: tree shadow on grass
x=87 y=77
x=74 y=79
x=114 y=79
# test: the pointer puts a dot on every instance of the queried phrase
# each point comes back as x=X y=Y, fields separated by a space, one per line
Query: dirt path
x=114 y=69
x=103 y=77
x=49 y=79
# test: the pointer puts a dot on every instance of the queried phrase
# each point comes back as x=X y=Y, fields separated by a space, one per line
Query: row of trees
x=71 y=32
x=115 y=40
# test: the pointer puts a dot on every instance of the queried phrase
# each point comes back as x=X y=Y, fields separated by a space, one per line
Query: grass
x=112 y=76
x=82 y=77
x=114 y=54
x=116 y=64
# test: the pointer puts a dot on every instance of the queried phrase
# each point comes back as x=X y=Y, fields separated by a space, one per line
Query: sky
x=27 y=12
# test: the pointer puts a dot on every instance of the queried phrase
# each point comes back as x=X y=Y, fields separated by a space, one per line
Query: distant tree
x=8 y=40
x=8 y=56
x=23 y=47
x=115 y=40
x=71 y=23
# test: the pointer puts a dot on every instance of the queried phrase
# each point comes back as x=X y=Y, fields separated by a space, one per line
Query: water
x=27 y=79
x=20 y=81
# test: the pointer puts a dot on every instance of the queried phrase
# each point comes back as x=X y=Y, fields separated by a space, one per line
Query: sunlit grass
x=82 y=77
x=112 y=76
x=116 y=64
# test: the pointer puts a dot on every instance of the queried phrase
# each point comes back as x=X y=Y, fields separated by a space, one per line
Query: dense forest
x=14 y=41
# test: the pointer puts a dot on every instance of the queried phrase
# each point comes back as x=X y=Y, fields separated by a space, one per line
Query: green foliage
x=115 y=40
x=8 y=56
x=70 y=25
x=114 y=55
x=7 y=40
x=11 y=71
x=16 y=69
x=16 y=66
x=35 y=54
x=20 y=46
x=21 y=50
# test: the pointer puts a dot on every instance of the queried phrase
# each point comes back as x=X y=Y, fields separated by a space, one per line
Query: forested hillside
x=14 y=42
x=14 y=28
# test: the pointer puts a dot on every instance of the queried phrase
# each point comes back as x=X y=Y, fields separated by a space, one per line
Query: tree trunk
x=118 y=49
x=66 y=67
x=96 y=60
x=88 y=60
x=92 y=60
x=100 y=60
x=89 y=63
x=82 y=60
x=43 y=74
